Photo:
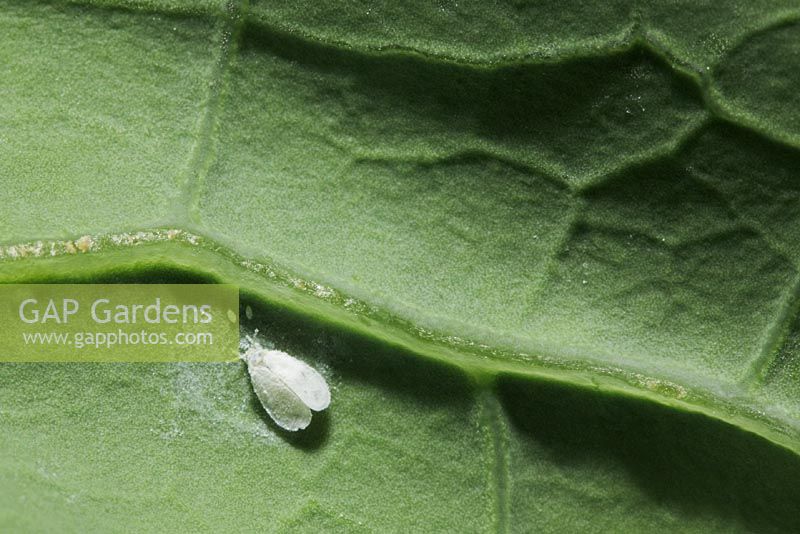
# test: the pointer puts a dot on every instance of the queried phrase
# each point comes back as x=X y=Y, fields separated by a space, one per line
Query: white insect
x=287 y=388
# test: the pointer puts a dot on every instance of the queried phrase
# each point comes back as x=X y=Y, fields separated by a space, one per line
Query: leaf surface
x=546 y=256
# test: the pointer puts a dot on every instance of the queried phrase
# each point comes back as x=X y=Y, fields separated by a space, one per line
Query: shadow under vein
x=696 y=464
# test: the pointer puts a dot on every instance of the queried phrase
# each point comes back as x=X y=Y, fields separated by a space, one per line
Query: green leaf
x=546 y=256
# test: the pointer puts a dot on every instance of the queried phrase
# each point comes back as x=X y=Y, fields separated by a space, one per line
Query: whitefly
x=289 y=389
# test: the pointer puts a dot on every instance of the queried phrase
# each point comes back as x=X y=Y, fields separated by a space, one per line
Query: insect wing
x=281 y=403
x=302 y=379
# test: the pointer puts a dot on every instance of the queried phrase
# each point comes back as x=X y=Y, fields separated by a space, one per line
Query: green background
x=545 y=253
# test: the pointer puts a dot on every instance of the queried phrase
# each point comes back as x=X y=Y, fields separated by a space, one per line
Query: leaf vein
x=492 y=420
x=202 y=154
